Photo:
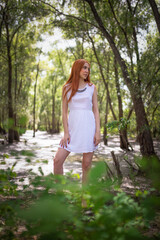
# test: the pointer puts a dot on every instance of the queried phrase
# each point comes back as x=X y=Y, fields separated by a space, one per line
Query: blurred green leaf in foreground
x=50 y=207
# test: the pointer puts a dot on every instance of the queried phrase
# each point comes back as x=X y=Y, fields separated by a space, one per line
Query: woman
x=82 y=128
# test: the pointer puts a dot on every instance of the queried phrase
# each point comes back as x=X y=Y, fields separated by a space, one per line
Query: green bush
x=50 y=207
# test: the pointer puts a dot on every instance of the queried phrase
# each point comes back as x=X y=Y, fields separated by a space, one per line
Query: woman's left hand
x=97 y=138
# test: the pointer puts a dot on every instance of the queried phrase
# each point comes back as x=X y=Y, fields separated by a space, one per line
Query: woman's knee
x=86 y=165
x=56 y=160
x=61 y=155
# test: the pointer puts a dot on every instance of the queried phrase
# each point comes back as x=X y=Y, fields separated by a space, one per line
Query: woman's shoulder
x=66 y=86
x=66 y=90
x=92 y=85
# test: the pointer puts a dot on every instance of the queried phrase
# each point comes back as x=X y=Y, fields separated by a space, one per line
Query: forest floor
x=38 y=152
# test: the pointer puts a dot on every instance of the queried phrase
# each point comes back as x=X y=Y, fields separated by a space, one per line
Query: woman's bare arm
x=65 y=114
x=97 y=136
x=66 y=137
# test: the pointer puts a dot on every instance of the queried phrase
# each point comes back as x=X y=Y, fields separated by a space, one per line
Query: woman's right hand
x=65 y=140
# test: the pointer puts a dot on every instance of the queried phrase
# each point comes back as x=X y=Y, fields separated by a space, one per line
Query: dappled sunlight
x=38 y=152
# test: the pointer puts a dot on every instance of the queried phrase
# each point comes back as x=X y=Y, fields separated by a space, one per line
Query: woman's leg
x=86 y=164
x=59 y=159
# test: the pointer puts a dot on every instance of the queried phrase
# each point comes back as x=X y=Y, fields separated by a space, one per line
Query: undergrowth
x=59 y=207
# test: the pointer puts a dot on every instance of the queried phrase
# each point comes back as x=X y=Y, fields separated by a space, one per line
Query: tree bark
x=16 y=133
x=53 y=115
x=145 y=139
x=136 y=43
x=10 y=102
x=155 y=13
x=58 y=120
x=103 y=78
x=124 y=144
x=144 y=134
x=34 y=102
x=53 y=130
x=55 y=126
x=105 y=140
x=46 y=124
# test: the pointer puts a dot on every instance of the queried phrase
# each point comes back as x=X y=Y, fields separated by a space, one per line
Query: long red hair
x=73 y=81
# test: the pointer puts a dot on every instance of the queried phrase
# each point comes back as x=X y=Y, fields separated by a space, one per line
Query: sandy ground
x=32 y=153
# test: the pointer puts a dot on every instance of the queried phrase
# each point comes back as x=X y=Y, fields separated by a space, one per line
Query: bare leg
x=86 y=164
x=59 y=159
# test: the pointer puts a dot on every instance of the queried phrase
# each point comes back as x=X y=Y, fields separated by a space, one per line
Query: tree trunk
x=49 y=125
x=34 y=102
x=10 y=102
x=2 y=131
x=123 y=139
x=124 y=144
x=3 y=115
x=105 y=140
x=144 y=134
x=53 y=130
x=53 y=115
x=103 y=78
x=145 y=138
x=155 y=13
x=16 y=133
x=58 y=120
x=46 y=124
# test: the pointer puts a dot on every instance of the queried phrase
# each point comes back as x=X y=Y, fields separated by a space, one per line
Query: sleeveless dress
x=81 y=121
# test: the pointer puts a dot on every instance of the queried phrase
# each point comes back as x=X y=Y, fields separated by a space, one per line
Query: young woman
x=82 y=127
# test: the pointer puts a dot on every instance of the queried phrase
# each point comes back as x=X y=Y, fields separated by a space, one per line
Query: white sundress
x=81 y=121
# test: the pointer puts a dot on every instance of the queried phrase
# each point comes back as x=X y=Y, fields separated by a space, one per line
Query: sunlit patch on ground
x=35 y=153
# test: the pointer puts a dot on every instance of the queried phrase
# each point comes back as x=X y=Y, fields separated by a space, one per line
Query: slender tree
x=15 y=15
x=155 y=13
x=9 y=58
x=145 y=138
x=34 y=101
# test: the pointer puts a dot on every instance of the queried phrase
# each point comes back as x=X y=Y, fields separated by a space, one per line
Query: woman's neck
x=82 y=83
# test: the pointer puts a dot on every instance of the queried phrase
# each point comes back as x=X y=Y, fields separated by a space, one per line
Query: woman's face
x=84 y=71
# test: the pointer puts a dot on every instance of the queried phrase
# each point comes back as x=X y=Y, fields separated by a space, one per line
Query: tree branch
x=134 y=11
x=155 y=109
x=130 y=112
x=68 y=15
x=112 y=45
x=124 y=32
x=16 y=30
x=103 y=78
x=136 y=44
x=155 y=13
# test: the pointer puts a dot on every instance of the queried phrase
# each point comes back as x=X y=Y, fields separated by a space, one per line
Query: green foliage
x=7 y=185
x=29 y=20
x=27 y=153
x=151 y=167
x=9 y=123
x=51 y=206
x=117 y=125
